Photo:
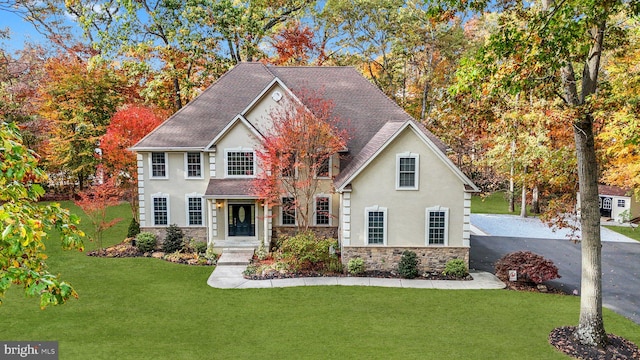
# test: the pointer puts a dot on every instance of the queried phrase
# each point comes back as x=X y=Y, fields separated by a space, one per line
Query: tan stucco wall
x=176 y=180
x=259 y=114
x=376 y=185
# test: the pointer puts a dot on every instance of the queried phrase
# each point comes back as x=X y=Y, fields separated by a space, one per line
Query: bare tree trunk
x=512 y=196
x=535 y=200
x=591 y=327
x=523 y=206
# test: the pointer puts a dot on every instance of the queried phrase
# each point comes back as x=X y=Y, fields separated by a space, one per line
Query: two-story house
x=391 y=189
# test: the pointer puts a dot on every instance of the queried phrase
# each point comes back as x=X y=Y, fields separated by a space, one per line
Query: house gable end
x=381 y=141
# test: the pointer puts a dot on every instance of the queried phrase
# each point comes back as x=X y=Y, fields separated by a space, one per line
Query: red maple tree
x=295 y=154
x=127 y=127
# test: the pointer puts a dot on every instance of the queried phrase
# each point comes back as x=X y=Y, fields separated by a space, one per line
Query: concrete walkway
x=228 y=275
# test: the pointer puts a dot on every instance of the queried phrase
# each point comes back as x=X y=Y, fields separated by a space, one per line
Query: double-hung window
x=160 y=210
x=323 y=168
x=375 y=225
x=622 y=203
x=288 y=211
x=437 y=226
x=158 y=165
x=194 y=165
x=323 y=212
x=194 y=211
x=240 y=163
x=407 y=170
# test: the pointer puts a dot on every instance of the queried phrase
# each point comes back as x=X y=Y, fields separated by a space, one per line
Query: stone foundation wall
x=320 y=231
x=387 y=258
x=196 y=233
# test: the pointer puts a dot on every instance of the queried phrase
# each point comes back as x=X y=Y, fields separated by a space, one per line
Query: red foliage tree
x=127 y=127
x=95 y=201
x=293 y=45
x=304 y=136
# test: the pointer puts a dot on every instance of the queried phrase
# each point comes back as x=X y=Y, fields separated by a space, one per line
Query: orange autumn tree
x=127 y=126
x=296 y=154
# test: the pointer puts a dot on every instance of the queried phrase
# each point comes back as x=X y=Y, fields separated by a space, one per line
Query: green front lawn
x=143 y=308
x=627 y=231
x=494 y=203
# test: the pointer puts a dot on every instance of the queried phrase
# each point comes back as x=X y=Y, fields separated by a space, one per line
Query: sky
x=20 y=31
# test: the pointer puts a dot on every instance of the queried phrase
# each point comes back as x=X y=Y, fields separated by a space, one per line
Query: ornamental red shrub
x=530 y=267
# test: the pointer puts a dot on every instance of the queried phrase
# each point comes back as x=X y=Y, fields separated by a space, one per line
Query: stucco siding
x=167 y=188
x=406 y=209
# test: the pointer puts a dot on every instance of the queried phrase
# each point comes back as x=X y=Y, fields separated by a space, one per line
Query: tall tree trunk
x=176 y=93
x=523 y=206
x=512 y=195
x=535 y=200
x=591 y=327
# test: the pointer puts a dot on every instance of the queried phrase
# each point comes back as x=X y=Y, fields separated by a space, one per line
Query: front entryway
x=242 y=220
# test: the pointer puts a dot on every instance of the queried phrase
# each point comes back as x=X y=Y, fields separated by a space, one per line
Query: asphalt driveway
x=620 y=266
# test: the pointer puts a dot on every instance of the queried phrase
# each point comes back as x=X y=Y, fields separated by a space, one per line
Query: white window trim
x=315 y=175
x=153 y=208
x=186 y=203
x=226 y=164
x=384 y=224
x=186 y=165
x=417 y=171
x=315 y=209
x=624 y=203
x=166 y=165
x=446 y=225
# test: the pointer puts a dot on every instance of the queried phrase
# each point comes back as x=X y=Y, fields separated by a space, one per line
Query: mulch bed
x=617 y=348
x=376 y=274
x=126 y=249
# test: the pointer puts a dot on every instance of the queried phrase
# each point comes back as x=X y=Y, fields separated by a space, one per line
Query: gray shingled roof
x=362 y=108
x=226 y=188
x=196 y=124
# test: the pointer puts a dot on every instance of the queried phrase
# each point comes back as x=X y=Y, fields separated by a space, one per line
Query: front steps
x=235 y=256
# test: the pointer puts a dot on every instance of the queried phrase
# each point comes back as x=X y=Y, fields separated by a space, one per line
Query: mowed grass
x=495 y=203
x=144 y=308
x=627 y=231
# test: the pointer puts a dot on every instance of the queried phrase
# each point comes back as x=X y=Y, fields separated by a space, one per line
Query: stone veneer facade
x=196 y=233
x=320 y=231
x=387 y=258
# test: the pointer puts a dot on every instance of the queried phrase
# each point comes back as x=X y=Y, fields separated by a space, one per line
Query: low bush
x=355 y=266
x=174 y=240
x=408 y=265
x=210 y=254
x=134 y=229
x=146 y=242
x=198 y=247
x=455 y=267
x=529 y=266
x=305 y=251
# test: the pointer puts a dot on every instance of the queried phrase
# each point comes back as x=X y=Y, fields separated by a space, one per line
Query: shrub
x=530 y=267
x=408 y=266
x=134 y=229
x=455 y=267
x=334 y=265
x=198 y=247
x=174 y=240
x=211 y=255
x=305 y=250
x=146 y=242
x=261 y=252
x=355 y=266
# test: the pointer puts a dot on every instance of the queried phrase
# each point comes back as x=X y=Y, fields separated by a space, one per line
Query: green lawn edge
x=144 y=308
